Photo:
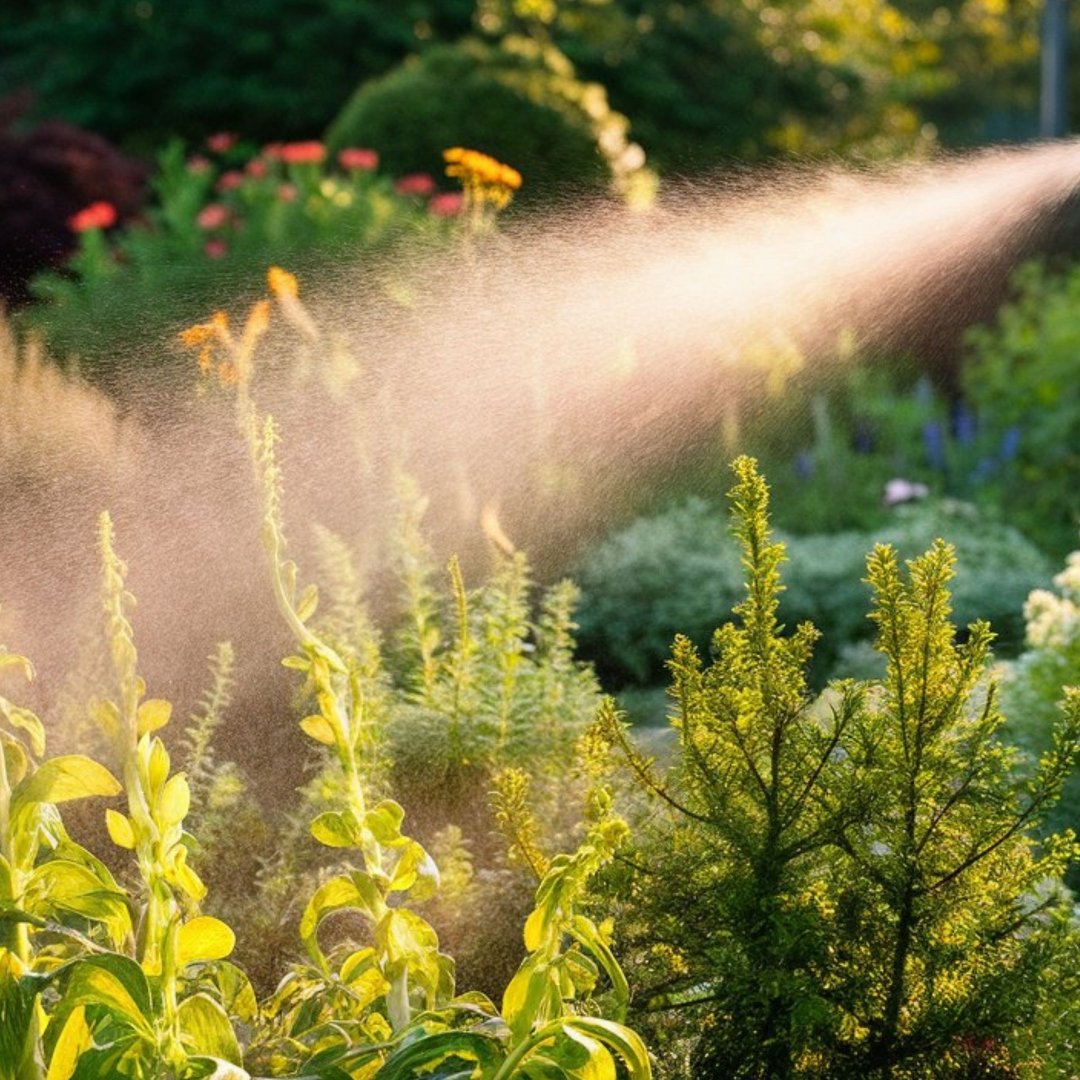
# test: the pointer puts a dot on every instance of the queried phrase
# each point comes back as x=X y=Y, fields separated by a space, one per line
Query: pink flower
x=415 y=184
x=198 y=164
x=215 y=248
x=228 y=181
x=212 y=216
x=221 y=141
x=446 y=204
x=302 y=153
x=98 y=215
x=256 y=167
x=287 y=192
x=355 y=158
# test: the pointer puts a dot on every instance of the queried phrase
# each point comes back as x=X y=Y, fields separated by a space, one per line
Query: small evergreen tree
x=847 y=887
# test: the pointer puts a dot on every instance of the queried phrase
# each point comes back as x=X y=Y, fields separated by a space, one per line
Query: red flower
x=287 y=192
x=302 y=153
x=198 y=164
x=221 y=141
x=98 y=215
x=212 y=216
x=446 y=204
x=415 y=184
x=215 y=248
x=354 y=157
x=230 y=180
x=256 y=167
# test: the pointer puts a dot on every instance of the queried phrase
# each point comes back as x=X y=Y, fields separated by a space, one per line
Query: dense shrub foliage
x=636 y=600
x=518 y=101
x=1020 y=377
x=852 y=887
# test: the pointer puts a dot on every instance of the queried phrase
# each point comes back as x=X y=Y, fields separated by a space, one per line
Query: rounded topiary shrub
x=518 y=101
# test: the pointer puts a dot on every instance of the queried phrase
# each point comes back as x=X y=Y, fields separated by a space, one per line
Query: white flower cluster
x=1054 y=620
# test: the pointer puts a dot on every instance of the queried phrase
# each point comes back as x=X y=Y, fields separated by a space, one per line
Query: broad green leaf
x=206 y=1029
x=415 y=870
x=153 y=714
x=596 y=1062
x=117 y=984
x=476 y=1054
x=18 y=989
x=61 y=779
x=625 y=1042
x=336 y=829
x=319 y=728
x=337 y=894
x=384 y=823
x=63 y=886
x=237 y=993
x=531 y=997
x=203 y=938
x=202 y=1067
x=175 y=800
x=121 y=831
x=75 y=1039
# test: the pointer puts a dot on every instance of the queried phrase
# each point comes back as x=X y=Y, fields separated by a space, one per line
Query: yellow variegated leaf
x=203 y=938
x=61 y=779
x=121 y=831
x=319 y=728
x=74 y=1040
x=175 y=800
x=153 y=714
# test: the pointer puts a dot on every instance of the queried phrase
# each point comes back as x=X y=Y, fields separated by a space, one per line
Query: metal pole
x=1053 y=107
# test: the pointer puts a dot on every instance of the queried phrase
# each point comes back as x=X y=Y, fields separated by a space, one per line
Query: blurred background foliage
x=701 y=82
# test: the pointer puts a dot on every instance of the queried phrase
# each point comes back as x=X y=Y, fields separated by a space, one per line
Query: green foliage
x=716 y=80
x=852 y=887
x=1032 y=685
x=142 y=74
x=675 y=571
x=519 y=101
x=1020 y=377
x=390 y=1006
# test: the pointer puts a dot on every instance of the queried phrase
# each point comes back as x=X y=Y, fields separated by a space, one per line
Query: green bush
x=143 y=73
x=1021 y=377
x=852 y=886
x=1032 y=686
x=518 y=101
x=675 y=571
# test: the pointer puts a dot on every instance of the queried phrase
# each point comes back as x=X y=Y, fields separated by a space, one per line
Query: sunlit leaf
x=61 y=779
x=203 y=938
x=153 y=714
x=121 y=831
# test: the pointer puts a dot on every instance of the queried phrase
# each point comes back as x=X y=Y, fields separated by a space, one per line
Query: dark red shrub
x=47 y=176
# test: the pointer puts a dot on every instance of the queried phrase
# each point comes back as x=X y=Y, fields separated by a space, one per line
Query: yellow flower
x=484 y=179
x=282 y=283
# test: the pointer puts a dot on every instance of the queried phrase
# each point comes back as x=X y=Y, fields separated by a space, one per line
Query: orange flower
x=355 y=158
x=282 y=283
x=302 y=153
x=98 y=215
